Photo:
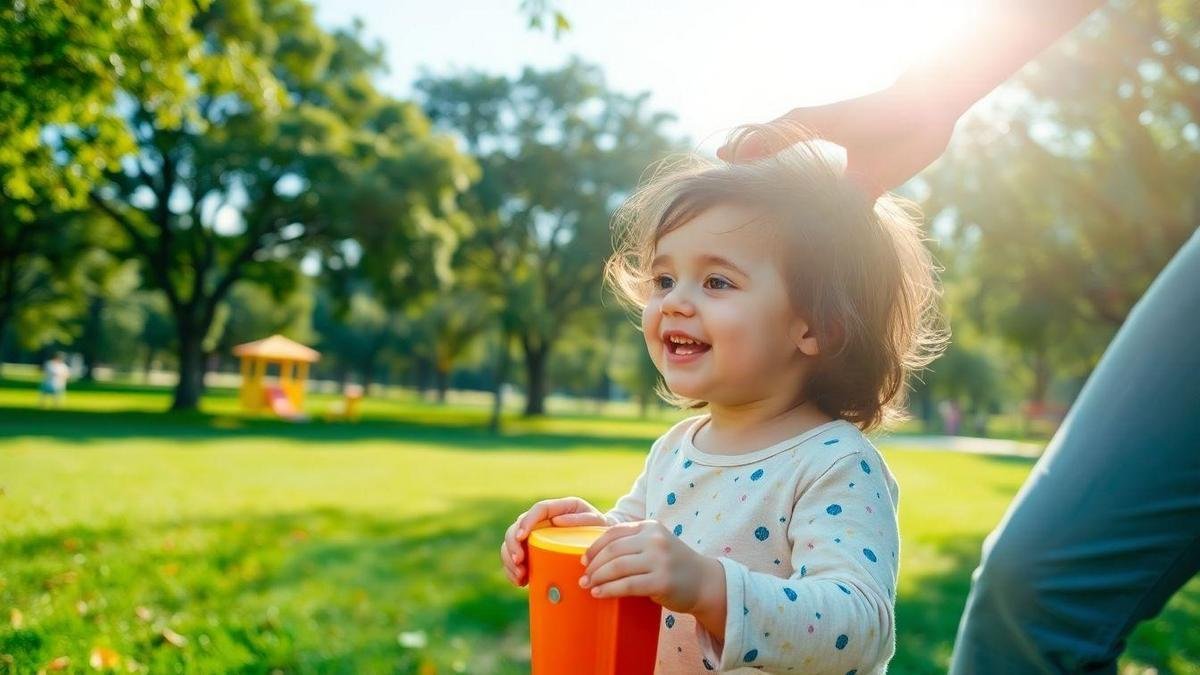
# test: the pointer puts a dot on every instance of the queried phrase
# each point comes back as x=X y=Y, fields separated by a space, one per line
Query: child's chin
x=687 y=390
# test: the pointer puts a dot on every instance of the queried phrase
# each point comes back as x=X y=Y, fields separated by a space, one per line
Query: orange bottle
x=570 y=631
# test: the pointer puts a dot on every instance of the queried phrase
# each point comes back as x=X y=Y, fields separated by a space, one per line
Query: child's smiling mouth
x=682 y=347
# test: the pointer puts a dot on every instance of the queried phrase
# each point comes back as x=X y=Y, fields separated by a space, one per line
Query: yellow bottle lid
x=573 y=540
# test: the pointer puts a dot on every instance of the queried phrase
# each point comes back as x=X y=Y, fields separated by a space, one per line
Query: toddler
x=790 y=307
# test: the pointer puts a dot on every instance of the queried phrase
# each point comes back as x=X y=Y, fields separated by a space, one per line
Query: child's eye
x=663 y=282
x=717 y=283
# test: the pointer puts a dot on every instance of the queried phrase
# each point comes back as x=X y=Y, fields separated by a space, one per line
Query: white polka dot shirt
x=807 y=533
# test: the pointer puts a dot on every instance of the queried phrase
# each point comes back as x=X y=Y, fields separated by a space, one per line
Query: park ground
x=215 y=542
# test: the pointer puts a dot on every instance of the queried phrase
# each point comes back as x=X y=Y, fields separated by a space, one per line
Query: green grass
x=371 y=547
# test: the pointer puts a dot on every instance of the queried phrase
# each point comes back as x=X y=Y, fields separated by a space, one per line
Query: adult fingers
x=756 y=141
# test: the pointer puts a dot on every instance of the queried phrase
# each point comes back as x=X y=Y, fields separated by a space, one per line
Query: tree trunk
x=91 y=338
x=5 y=314
x=535 y=374
x=422 y=373
x=503 y=362
x=191 y=368
x=150 y=352
x=442 y=381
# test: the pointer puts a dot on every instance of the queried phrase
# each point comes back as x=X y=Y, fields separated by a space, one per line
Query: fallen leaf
x=103 y=657
x=144 y=613
x=174 y=638
x=82 y=608
x=61 y=663
x=16 y=618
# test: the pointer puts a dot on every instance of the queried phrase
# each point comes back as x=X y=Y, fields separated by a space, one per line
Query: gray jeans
x=1107 y=527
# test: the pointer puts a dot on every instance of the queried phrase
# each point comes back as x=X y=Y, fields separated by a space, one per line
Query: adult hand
x=889 y=136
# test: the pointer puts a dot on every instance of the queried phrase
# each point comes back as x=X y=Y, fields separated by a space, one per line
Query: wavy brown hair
x=860 y=272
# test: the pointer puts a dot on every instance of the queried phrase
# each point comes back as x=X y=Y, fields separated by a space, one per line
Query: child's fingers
x=621 y=547
x=516 y=575
x=640 y=584
x=512 y=570
x=617 y=568
x=613 y=533
x=506 y=557
x=545 y=510
x=578 y=519
x=512 y=545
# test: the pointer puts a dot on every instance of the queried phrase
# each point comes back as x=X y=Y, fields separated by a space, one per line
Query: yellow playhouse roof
x=277 y=347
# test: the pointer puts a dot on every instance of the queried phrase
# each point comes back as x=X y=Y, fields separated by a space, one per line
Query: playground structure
x=284 y=396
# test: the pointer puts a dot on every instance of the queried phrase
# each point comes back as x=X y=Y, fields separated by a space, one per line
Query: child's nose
x=677 y=301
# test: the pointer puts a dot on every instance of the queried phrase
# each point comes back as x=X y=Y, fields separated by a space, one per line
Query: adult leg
x=1107 y=527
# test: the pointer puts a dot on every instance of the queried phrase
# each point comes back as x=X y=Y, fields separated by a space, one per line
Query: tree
x=59 y=129
x=105 y=283
x=1064 y=212
x=279 y=146
x=254 y=311
x=558 y=150
x=355 y=332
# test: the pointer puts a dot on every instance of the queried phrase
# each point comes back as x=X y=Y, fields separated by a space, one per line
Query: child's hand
x=564 y=512
x=646 y=559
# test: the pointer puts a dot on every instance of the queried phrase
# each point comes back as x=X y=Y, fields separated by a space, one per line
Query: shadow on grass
x=316 y=591
x=463 y=432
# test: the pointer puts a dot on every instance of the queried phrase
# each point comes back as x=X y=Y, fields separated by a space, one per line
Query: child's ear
x=805 y=338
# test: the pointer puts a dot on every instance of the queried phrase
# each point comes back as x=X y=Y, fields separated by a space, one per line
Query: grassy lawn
x=218 y=543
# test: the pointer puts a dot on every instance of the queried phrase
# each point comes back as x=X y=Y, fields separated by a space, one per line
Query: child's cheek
x=650 y=328
x=740 y=343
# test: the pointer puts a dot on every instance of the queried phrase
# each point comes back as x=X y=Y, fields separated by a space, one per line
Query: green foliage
x=256 y=139
x=1069 y=193
x=356 y=332
x=541 y=12
x=558 y=150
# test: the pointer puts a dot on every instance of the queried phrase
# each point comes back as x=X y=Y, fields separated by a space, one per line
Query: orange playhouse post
x=285 y=395
x=572 y=632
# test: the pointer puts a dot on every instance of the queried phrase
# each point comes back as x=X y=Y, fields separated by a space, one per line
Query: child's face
x=718 y=286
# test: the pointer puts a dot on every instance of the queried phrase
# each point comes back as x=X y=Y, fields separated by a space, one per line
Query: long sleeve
x=835 y=613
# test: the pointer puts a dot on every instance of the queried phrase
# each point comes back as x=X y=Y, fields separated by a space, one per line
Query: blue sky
x=713 y=64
